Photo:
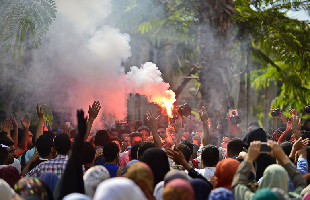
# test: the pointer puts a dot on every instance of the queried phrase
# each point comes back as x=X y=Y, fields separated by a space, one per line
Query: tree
x=23 y=23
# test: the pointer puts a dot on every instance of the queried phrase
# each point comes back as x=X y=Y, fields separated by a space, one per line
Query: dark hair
x=143 y=147
x=110 y=151
x=134 y=151
x=120 y=142
x=210 y=156
x=195 y=151
x=306 y=121
x=185 y=150
x=44 y=144
x=5 y=140
x=256 y=124
x=144 y=128
x=4 y=154
x=235 y=146
x=134 y=134
x=62 y=143
x=305 y=134
x=187 y=143
x=102 y=137
x=287 y=147
x=89 y=152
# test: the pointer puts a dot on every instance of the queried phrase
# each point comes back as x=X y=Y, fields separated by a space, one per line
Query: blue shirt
x=112 y=169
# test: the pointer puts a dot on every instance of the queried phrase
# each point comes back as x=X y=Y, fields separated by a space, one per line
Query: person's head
x=135 y=138
x=234 y=147
x=118 y=142
x=256 y=135
x=202 y=188
x=10 y=147
x=126 y=142
x=31 y=188
x=102 y=137
x=161 y=130
x=114 y=133
x=253 y=125
x=196 y=140
x=134 y=152
x=221 y=194
x=287 y=147
x=4 y=156
x=145 y=131
x=62 y=144
x=111 y=152
x=188 y=144
x=50 y=179
x=142 y=175
x=275 y=176
x=307 y=123
x=178 y=189
x=93 y=177
x=224 y=172
x=88 y=154
x=10 y=175
x=210 y=156
x=45 y=146
x=157 y=160
x=175 y=174
x=185 y=150
x=143 y=147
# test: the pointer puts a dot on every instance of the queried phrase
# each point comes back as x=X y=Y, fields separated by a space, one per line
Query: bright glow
x=166 y=102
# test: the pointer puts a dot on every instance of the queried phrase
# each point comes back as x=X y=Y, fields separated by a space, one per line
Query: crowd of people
x=154 y=162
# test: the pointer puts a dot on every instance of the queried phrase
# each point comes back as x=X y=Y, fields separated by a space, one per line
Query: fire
x=166 y=101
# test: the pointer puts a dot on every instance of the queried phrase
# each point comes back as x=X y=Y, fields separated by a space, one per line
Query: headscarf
x=224 y=172
x=275 y=176
x=93 y=177
x=76 y=196
x=201 y=188
x=255 y=135
x=118 y=188
x=49 y=179
x=178 y=189
x=6 y=192
x=29 y=187
x=10 y=175
x=157 y=160
x=174 y=174
x=265 y=193
x=307 y=197
x=221 y=194
x=142 y=175
x=281 y=194
x=128 y=164
x=158 y=191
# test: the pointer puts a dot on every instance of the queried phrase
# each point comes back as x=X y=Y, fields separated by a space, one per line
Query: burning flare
x=166 y=101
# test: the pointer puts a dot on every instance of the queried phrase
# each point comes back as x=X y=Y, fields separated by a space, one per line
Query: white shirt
x=207 y=172
x=17 y=165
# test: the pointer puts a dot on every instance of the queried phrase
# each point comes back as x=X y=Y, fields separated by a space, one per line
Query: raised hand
x=296 y=124
x=293 y=111
x=26 y=122
x=14 y=122
x=176 y=155
x=6 y=126
x=278 y=152
x=40 y=112
x=151 y=119
x=203 y=114
x=45 y=125
x=253 y=151
x=81 y=124
x=94 y=110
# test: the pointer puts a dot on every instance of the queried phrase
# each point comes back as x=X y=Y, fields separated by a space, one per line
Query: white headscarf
x=119 y=188
x=6 y=192
x=93 y=177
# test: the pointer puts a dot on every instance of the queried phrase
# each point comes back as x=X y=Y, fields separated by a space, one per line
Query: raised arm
x=22 y=147
x=15 y=130
x=204 y=118
x=40 y=114
x=154 y=125
x=93 y=113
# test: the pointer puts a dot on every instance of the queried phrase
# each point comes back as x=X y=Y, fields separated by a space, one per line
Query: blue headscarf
x=127 y=166
x=201 y=188
x=49 y=179
x=221 y=194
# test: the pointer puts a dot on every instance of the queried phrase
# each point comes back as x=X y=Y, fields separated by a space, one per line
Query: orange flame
x=166 y=101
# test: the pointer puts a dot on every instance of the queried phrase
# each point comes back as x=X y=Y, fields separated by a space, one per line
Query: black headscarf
x=201 y=188
x=157 y=159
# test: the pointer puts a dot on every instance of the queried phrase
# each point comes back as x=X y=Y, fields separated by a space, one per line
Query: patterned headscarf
x=265 y=193
x=225 y=171
x=221 y=194
x=178 y=189
x=31 y=187
x=93 y=177
x=142 y=175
